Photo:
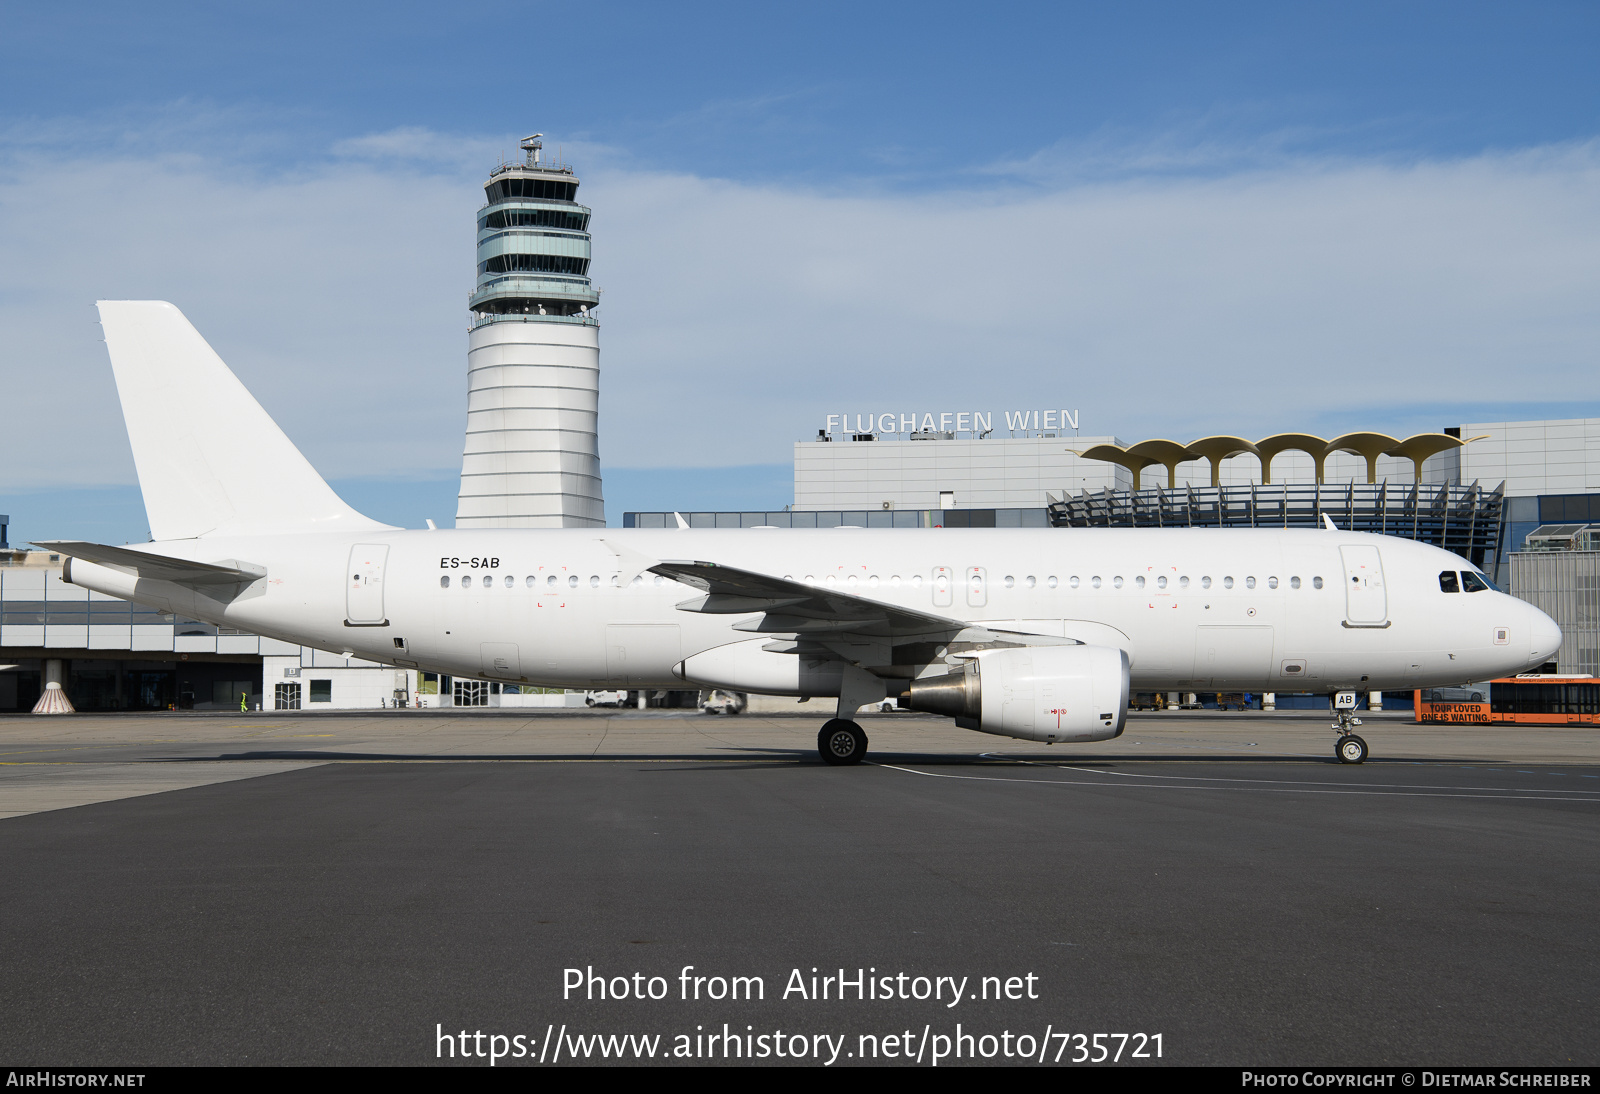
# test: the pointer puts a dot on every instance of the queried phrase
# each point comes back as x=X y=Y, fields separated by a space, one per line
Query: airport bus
x=1533 y=699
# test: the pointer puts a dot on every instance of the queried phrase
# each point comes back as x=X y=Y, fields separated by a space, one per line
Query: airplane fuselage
x=1209 y=609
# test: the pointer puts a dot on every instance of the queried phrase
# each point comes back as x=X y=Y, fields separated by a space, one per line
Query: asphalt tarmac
x=375 y=892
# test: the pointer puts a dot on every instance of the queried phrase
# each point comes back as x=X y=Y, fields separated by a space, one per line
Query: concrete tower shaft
x=532 y=455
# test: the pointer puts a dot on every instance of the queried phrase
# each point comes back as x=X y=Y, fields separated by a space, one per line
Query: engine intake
x=1037 y=693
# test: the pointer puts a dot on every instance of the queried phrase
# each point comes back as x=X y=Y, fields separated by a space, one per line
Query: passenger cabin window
x=1205 y=583
x=1139 y=582
x=1472 y=583
x=444 y=582
x=1227 y=583
x=466 y=581
x=1272 y=583
x=1294 y=583
x=1447 y=582
x=1316 y=583
x=1249 y=583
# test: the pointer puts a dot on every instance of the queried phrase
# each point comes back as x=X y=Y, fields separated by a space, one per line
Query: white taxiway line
x=1292 y=782
x=1371 y=792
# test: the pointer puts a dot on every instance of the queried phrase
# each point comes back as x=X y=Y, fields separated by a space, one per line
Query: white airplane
x=1031 y=634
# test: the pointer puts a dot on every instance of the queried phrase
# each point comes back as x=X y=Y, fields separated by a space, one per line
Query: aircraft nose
x=1545 y=637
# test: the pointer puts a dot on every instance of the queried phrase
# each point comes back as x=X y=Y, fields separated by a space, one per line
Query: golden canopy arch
x=1369 y=446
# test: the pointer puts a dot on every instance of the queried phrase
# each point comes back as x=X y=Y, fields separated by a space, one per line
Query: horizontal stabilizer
x=142 y=564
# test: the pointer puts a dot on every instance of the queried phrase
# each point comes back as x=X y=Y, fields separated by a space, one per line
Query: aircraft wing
x=814 y=621
x=157 y=567
x=794 y=607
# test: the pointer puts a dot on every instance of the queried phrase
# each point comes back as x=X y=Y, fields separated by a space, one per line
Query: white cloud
x=738 y=316
x=1251 y=302
x=338 y=295
x=412 y=146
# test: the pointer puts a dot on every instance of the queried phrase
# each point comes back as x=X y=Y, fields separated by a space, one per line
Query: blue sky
x=1176 y=218
x=899 y=93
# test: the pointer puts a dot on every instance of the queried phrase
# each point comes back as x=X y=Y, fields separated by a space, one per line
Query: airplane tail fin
x=210 y=460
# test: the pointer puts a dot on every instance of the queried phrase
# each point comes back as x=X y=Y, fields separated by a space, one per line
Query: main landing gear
x=841 y=743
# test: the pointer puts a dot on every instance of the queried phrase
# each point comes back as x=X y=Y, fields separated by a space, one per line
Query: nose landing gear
x=1349 y=748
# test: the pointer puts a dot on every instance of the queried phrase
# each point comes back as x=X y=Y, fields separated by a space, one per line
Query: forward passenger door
x=1366 y=601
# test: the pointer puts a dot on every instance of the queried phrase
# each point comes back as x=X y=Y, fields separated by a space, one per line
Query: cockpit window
x=1472 y=583
x=1447 y=582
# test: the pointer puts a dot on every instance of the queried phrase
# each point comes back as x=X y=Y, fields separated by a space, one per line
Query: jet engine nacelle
x=1036 y=693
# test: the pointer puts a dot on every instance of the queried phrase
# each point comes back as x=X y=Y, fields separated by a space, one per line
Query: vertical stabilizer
x=210 y=460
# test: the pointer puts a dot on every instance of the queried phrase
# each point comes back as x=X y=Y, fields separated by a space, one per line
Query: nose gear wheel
x=1350 y=749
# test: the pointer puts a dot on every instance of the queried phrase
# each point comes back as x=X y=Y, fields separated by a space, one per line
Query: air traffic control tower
x=533 y=357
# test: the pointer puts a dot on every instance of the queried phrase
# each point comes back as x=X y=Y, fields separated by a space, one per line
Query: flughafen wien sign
x=961 y=421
